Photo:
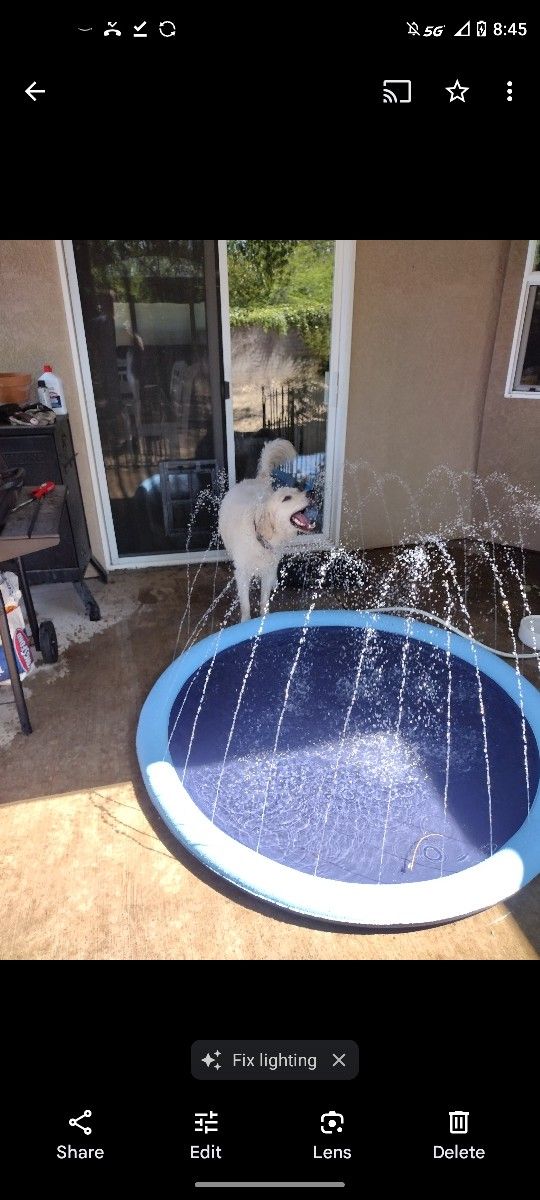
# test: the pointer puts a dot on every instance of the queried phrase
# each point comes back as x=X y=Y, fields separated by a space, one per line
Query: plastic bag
x=24 y=653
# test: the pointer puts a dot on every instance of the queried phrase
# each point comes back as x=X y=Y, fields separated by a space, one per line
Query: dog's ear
x=264 y=523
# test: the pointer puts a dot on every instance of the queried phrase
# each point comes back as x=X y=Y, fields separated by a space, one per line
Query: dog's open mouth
x=301 y=521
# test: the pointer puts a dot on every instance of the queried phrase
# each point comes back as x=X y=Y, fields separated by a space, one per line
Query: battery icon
x=481 y=29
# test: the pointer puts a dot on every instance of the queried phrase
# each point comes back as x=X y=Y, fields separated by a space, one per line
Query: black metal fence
x=296 y=413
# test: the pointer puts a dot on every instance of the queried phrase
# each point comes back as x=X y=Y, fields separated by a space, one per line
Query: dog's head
x=282 y=514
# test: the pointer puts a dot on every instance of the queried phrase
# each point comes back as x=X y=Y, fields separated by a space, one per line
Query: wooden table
x=16 y=543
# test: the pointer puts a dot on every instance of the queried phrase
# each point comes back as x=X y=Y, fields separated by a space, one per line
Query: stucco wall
x=433 y=324
x=424 y=323
x=33 y=330
x=510 y=441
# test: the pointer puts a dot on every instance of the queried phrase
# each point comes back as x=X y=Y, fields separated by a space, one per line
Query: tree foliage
x=284 y=285
x=256 y=268
x=277 y=285
x=140 y=270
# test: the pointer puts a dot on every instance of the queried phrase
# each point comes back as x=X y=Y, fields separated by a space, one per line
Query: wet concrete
x=89 y=871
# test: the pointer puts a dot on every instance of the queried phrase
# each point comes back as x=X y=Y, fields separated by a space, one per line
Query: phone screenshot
x=269 y=597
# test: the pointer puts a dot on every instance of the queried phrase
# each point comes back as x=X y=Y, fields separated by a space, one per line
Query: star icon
x=457 y=92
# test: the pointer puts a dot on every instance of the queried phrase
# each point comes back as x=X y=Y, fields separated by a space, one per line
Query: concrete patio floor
x=89 y=871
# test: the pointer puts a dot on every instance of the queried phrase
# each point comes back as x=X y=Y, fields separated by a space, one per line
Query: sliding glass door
x=192 y=355
x=282 y=317
x=151 y=316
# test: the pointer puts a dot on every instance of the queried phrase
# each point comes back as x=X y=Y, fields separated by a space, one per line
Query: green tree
x=282 y=286
x=256 y=268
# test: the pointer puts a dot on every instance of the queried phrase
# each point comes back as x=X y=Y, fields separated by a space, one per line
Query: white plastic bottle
x=51 y=391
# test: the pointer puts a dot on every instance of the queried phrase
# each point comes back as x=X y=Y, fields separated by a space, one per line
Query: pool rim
x=389 y=905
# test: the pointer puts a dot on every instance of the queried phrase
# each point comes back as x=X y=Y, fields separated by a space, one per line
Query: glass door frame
x=338 y=388
x=95 y=450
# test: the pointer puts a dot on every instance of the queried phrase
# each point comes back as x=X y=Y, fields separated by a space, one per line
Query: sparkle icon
x=210 y=1060
x=457 y=91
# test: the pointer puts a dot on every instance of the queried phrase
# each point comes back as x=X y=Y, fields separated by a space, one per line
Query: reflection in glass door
x=151 y=321
x=281 y=297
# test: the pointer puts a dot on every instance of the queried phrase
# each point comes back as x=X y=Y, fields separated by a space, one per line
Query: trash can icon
x=459 y=1121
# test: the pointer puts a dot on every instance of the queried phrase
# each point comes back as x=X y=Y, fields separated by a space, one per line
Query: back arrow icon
x=32 y=88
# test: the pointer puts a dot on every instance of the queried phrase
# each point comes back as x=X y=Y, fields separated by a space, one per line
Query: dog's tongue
x=301 y=521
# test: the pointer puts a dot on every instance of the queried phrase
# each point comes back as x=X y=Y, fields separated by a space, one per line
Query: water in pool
x=354 y=755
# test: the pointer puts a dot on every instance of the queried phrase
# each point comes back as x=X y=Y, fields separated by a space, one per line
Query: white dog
x=255 y=523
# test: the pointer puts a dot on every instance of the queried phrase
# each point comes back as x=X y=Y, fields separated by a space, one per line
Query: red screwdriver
x=37 y=494
x=36 y=497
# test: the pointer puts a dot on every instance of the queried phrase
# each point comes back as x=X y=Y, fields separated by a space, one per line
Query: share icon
x=84 y=1128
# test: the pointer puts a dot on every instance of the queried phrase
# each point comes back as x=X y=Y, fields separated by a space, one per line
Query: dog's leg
x=242 y=584
x=268 y=583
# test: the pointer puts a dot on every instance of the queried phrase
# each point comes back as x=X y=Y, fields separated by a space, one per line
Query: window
x=524 y=374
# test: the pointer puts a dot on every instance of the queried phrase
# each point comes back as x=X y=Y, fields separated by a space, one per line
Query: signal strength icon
x=396 y=91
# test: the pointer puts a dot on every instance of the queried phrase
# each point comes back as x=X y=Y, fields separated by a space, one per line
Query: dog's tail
x=274 y=453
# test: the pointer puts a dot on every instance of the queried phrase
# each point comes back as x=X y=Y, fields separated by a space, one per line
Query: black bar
x=33 y=518
x=91 y=606
x=28 y=602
